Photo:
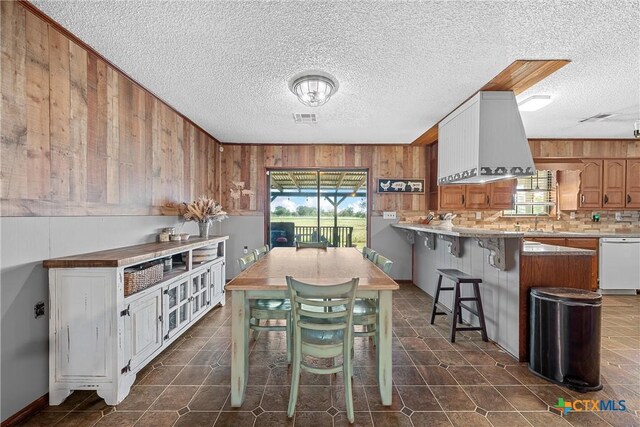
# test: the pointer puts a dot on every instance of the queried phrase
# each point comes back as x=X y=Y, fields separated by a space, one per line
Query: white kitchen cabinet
x=200 y=291
x=176 y=306
x=142 y=328
x=99 y=338
x=216 y=283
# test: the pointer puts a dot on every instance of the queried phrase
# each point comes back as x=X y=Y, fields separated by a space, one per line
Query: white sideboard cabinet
x=100 y=338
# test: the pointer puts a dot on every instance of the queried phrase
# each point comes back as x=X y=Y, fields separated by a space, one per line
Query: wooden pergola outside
x=333 y=186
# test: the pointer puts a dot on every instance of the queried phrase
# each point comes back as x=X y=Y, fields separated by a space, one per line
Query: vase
x=204 y=228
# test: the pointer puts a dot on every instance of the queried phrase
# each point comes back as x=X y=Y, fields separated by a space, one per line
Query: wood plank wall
x=247 y=162
x=584 y=148
x=80 y=138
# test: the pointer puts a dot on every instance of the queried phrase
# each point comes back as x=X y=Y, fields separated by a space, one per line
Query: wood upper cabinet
x=613 y=187
x=591 y=185
x=568 y=189
x=477 y=196
x=501 y=194
x=452 y=196
x=632 y=197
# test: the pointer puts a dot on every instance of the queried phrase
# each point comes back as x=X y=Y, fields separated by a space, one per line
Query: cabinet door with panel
x=143 y=328
x=591 y=185
x=82 y=324
x=176 y=307
x=199 y=291
x=613 y=187
x=632 y=199
x=217 y=283
x=477 y=196
x=502 y=194
x=452 y=196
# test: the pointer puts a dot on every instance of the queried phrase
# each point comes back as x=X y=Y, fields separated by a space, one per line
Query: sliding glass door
x=318 y=205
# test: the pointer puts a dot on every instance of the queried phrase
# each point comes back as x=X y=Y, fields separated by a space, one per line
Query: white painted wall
x=393 y=244
x=243 y=230
x=26 y=242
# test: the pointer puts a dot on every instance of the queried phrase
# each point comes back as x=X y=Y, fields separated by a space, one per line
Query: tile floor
x=469 y=383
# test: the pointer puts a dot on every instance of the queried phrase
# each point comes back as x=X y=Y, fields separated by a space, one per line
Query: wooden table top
x=129 y=255
x=311 y=265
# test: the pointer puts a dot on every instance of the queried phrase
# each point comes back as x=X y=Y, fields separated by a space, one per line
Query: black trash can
x=564 y=337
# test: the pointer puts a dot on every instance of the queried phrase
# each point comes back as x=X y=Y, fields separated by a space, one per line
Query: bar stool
x=459 y=278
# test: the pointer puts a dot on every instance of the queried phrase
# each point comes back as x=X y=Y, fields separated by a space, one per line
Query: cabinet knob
x=581 y=199
x=463 y=199
x=606 y=199
x=487 y=199
x=628 y=198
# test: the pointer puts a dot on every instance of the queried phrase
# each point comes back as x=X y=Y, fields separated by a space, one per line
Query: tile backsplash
x=582 y=222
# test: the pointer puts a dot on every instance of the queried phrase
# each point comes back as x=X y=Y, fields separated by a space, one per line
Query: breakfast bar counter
x=508 y=266
x=491 y=255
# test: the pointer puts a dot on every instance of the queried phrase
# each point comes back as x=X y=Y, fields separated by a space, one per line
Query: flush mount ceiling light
x=534 y=103
x=313 y=90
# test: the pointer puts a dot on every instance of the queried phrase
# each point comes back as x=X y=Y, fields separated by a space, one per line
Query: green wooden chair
x=246 y=261
x=383 y=263
x=267 y=309
x=365 y=311
x=261 y=251
x=319 y=245
x=369 y=254
x=323 y=328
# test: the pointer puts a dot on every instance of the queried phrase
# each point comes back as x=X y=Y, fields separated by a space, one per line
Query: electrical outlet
x=572 y=215
x=245 y=250
x=618 y=216
x=38 y=309
x=388 y=215
x=478 y=215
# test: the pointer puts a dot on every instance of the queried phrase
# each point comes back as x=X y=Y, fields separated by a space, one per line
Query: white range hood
x=483 y=140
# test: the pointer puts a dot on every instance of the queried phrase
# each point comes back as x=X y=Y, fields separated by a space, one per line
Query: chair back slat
x=369 y=253
x=383 y=263
x=246 y=261
x=261 y=251
x=335 y=300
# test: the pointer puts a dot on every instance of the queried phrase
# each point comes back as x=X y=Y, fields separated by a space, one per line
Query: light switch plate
x=389 y=215
x=478 y=215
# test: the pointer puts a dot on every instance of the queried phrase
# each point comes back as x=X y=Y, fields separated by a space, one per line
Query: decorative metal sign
x=400 y=185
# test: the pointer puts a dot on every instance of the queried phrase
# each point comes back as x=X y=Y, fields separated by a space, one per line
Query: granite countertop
x=540 y=249
x=481 y=233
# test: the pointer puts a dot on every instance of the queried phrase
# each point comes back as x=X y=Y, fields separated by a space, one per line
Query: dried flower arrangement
x=204 y=209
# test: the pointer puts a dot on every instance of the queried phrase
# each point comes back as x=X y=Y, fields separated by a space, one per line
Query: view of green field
x=359 y=236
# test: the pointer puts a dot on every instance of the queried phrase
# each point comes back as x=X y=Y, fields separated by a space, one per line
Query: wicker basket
x=142 y=276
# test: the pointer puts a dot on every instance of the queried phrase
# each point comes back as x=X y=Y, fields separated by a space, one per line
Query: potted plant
x=204 y=210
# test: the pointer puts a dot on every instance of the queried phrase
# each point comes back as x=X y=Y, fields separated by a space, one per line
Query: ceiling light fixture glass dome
x=313 y=90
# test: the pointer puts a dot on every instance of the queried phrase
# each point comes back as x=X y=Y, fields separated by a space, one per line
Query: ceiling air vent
x=305 y=118
x=597 y=118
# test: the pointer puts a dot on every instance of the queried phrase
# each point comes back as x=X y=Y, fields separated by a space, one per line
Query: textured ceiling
x=401 y=66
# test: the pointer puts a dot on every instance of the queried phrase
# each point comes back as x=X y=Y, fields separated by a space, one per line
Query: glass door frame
x=267 y=198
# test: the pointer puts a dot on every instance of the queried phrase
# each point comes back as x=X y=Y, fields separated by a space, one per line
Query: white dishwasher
x=619 y=265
